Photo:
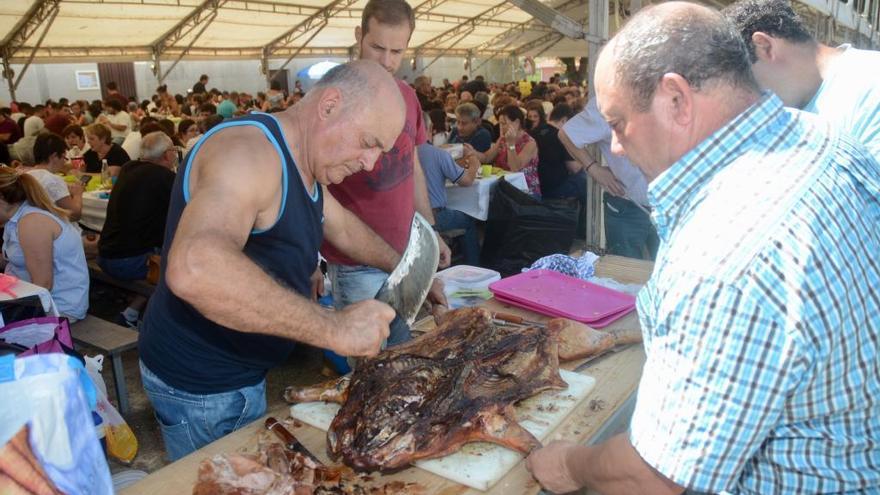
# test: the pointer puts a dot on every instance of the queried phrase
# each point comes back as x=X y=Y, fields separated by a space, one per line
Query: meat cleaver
x=407 y=287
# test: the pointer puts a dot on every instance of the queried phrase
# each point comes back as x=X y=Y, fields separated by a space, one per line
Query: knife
x=290 y=442
x=590 y=360
x=519 y=320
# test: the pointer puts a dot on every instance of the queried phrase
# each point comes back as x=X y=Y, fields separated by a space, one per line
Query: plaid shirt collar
x=671 y=195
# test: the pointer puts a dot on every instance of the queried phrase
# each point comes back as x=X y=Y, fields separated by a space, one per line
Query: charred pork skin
x=428 y=397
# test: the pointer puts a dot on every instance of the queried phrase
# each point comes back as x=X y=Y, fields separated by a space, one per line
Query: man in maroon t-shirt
x=114 y=94
x=57 y=118
x=386 y=197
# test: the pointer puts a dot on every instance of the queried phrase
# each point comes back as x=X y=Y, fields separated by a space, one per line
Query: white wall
x=225 y=75
x=44 y=81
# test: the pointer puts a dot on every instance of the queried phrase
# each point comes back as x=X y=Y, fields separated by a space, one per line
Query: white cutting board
x=480 y=465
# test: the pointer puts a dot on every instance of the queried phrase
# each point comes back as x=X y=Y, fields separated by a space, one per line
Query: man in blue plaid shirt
x=762 y=317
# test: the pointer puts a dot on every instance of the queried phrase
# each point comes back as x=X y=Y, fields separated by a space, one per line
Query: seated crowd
x=505 y=125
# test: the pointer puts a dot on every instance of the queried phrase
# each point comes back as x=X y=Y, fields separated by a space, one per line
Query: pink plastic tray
x=555 y=294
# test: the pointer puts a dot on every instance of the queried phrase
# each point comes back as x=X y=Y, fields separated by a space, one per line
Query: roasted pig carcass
x=430 y=396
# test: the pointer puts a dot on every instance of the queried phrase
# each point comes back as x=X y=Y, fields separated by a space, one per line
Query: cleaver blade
x=407 y=286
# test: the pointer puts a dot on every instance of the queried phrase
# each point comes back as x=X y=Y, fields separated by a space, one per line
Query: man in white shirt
x=34 y=124
x=841 y=85
x=117 y=119
x=628 y=228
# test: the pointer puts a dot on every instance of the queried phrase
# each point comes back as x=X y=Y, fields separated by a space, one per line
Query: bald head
x=676 y=37
x=362 y=83
x=353 y=114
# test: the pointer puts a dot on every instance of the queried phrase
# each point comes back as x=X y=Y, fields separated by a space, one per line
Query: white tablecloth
x=94 y=210
x=474 y=199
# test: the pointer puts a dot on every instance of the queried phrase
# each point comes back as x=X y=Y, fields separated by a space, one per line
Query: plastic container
x=466 y=285
x=554 y=294
x=468 y=277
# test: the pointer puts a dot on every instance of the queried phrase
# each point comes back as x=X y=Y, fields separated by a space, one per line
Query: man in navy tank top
x=248 y=213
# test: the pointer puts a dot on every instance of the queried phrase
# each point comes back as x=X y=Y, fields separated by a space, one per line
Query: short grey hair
x=353 y=82
x=695 y=42
x=468 y=110
x=154 y=145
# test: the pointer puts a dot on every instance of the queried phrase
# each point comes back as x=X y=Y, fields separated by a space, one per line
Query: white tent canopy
x=161 y=33
x=104 y=30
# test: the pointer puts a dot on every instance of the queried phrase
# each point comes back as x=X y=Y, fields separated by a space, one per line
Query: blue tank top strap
x=271 y=128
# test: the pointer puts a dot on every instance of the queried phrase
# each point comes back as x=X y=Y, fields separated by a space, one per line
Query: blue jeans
x=447 y=219
x=191 y=421
x=628 y=229
x=131 y=268
x=351 y=284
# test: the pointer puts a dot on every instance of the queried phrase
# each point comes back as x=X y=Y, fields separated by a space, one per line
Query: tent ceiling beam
x=468 y=53
x=144 y=53
x=296 y=52
x=195 y=38
x=535 y=43
x=42 y=11
x=264 y=6
x=321 y=16
x=550 y=45
x=200 y=17
x=29 y=23
x=552 y=17
x=523 y=27
x=457 y=19
x=468 y=26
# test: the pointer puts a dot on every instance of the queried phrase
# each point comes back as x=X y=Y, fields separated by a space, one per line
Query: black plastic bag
x=520 y=229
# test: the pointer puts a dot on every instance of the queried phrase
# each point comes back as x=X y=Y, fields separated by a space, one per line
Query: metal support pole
x=470 y=63
x=157 y=65
x=8 y=73
x=598 y=29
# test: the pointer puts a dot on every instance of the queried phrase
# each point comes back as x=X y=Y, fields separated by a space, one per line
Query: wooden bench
x=112 y=339
x=141 y=287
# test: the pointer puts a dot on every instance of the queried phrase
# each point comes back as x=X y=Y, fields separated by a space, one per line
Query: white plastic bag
x=51 y=394
x=121 y=442
x=94 y=366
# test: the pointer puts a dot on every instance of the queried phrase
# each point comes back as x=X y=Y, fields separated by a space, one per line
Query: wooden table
x=603 y=412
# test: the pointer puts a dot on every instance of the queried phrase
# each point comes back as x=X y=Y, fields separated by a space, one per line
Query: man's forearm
x=241 y=295
x=421 y=201
x=360 y=243
x=579 y=154
x=615 y=467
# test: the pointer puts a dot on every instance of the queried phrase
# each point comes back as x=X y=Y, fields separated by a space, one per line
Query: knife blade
x=290 y=442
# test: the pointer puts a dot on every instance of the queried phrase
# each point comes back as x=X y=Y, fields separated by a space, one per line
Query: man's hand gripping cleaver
x=408 y=285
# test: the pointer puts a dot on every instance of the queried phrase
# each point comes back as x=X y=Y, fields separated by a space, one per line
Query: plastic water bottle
x=105 y=174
